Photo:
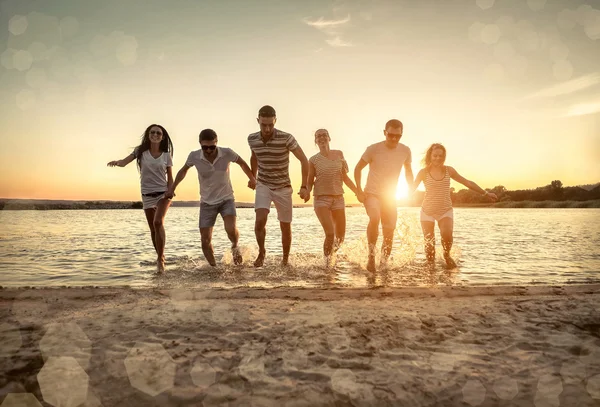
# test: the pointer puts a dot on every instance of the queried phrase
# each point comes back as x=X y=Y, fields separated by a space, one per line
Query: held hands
x=252 y=183
x=360 y=195
x=304 y=194
x=491 y=196
x=169 y=194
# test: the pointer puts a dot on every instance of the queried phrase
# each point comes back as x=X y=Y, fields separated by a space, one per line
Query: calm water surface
x=113 y=247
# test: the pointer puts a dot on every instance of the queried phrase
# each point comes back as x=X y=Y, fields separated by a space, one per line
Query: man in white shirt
x=216 y=192
x=385 y=160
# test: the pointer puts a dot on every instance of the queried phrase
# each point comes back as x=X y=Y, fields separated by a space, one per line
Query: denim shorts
x=208 y=213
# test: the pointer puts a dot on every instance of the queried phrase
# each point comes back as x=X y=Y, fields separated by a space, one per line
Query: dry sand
x=478 y=346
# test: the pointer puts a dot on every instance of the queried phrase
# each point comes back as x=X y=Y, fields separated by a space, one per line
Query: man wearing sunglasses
x=216 y=192
x=385 y=160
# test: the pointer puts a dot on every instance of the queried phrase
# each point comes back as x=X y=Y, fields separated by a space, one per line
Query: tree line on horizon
x=555 y=191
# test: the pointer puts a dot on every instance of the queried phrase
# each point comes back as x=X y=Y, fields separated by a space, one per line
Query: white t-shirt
x=385 y=165
x=215 y=183
x=154 y=171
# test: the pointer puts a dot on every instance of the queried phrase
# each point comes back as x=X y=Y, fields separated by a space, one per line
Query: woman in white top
x=154 y=161
x=327 y=173
x=437 y=205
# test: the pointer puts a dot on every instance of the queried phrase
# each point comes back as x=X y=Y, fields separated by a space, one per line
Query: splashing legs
x=260 y=230
x=429 y=237
x=207 y=247
x=446 y=226
x=233 y=234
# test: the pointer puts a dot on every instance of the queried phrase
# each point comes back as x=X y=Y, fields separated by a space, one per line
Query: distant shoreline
x=45 y=204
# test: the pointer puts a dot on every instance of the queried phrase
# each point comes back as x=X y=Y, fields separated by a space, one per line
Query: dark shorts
x=208 y=213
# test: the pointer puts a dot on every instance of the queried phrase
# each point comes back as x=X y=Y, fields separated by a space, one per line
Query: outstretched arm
x=123 y=162
x=254 y=164
x=420 y=177
x=304 y=163
x=248 y=171
x=310 y=181
x=470 y=184
x=178 y=178
x=357 y=179
x=408 y=173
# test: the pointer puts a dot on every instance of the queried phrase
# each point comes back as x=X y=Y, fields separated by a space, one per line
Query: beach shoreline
x=420 y=346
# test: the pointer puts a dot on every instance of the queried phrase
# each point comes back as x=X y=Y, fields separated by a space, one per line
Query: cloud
x=567 y=87
x=584 y=108
x=337 y=42
x=324 y=24
x=332 y=28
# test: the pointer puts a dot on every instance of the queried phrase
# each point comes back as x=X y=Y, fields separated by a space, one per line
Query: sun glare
x=402 y=189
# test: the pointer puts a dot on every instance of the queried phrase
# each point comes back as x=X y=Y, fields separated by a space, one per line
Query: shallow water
x=113 y=247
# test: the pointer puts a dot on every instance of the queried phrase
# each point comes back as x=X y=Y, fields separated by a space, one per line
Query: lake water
x=113 y=247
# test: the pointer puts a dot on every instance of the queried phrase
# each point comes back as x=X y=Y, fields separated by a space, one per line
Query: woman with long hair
x=327 y=172
x=154 y=158
x=437 y=205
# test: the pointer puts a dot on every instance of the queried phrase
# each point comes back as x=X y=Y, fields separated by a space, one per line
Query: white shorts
x=428 y=218
x=151 y=201
x=282 y=198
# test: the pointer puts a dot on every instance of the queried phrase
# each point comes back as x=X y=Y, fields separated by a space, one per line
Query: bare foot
x=383 y=263
x=450 y=263
x=284 y=261
x=371 y=264
x=260 y=260
x=237 y=256
x=160 y=266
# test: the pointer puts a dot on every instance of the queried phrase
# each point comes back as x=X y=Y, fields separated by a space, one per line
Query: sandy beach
x=452 y=346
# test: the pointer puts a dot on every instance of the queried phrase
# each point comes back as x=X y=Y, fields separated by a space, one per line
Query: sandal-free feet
x=371 y=264
x=260 y=260
x=237 y=256
x=450 y=263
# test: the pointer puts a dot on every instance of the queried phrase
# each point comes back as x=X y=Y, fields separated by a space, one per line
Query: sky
x=510 y=87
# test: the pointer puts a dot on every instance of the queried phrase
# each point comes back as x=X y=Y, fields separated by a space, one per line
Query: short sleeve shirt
x=273 y=158
x=214 y=179
x=385 y=165
x=153 y=171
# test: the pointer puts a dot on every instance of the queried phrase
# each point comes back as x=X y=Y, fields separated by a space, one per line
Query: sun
x=402 y=189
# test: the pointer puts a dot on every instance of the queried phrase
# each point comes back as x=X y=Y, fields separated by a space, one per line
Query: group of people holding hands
x=323 y=176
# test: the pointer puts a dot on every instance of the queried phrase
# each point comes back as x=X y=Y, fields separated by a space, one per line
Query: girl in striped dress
x=327 y=172
x=437 y=205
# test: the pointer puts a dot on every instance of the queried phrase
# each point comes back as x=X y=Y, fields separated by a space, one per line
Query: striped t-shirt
x=437 y=195
x=273 y=158
x=329 y=175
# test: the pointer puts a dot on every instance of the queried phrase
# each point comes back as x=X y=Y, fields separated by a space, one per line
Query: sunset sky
x=510 y=87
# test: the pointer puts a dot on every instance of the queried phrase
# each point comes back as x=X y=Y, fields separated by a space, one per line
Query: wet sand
x=448 y=346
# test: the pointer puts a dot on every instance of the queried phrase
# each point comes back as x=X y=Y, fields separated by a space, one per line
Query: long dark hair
x=166 y=145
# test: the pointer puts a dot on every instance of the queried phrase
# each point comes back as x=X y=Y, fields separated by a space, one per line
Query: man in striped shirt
x=385 y=160
x=270 y=157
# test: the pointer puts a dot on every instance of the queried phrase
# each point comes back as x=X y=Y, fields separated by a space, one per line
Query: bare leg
x=446 y=226
x=150 y=219
x=339 y=223
x=234 y=236
x=161 y=238
x=324 y=215
x=286 y=241
x=261 y=232
x=429 y=236
x=389 y=216
x=372 y=235
x=207 y=247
